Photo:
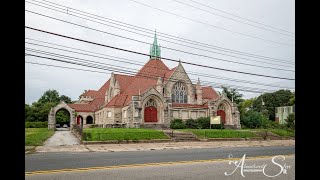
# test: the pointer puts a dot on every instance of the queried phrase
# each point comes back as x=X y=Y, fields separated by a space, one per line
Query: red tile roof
x=209 y=93
x=145 y=79
x=117 y=101
x=168 y=74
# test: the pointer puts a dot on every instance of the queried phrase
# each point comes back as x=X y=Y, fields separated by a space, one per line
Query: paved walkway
x=162 y=146
x=61 y=138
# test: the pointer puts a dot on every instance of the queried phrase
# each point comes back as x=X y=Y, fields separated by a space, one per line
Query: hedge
x=36 y=124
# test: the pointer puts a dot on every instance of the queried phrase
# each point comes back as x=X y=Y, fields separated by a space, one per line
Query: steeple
x=155 y=48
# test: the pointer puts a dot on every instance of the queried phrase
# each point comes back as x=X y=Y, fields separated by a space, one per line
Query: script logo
x=259 y=168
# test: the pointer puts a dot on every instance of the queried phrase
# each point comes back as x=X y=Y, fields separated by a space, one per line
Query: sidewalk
x=162 y=146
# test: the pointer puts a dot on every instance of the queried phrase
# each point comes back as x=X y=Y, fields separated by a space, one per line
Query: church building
x=153 y=97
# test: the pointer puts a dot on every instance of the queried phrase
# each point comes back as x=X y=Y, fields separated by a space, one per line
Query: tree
x=40 y=109
x=291 y=121
x=50 y=96
x=233 y=94
x=253 y=119
x=271 y=101
x=66 y=99
x=62 y=117
x=245 y=106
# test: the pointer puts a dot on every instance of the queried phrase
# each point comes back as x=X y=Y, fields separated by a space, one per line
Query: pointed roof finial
x=198 y=81
x=155 y=48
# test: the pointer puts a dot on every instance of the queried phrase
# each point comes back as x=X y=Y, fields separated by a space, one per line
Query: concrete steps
x=182 y=136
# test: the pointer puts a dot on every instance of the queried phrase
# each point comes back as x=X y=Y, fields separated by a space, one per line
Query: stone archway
x=152 y=106
x=54 y=110
x=89 y=120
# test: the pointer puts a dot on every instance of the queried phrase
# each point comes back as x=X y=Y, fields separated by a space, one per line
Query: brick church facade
x=152 y=98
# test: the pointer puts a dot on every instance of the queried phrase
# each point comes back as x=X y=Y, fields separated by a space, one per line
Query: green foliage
x=49 y=96
x=121 y=134
x=191 y=124
x=36 y=124
x=253 y=119
x=268 y=124
x=66 y=99
x=217 y=133
x=39 y=110
x=233 y=94
x=291 y=121
x=272 y=100
x=177 y=124
x=63 y=117
x=203 y=122
x=245 y=106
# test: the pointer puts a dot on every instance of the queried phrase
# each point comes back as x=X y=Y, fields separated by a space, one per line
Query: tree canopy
x=40 y=109
x=233 y=94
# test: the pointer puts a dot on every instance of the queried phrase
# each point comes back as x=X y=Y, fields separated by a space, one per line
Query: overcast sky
x=72 y=83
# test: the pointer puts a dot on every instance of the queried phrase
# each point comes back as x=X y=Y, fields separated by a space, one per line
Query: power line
x=195 y=54
x=67 y=10
x=240 y=16
x=210 y=25
x=172 y=43
x=130 y=72
x=195 y=7
x=49 y=65
x=130 y=61
x=118 y=68
x=135 y=52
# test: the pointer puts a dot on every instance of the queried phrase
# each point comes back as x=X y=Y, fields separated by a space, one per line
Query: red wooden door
x=150 y=114
x=78 y=120
x=222 y=115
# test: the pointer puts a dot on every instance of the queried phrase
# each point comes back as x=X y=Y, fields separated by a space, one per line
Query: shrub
x=269 y=124
x=253 y=119
x=177 y=124
x=203 y=122
x=36 y=124
x=217 y=126
x=191 y=124
x=291 y=121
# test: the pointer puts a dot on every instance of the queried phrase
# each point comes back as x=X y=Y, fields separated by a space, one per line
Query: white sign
x=215 y=120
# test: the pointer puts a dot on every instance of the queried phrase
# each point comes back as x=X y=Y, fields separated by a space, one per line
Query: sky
x=203 y=25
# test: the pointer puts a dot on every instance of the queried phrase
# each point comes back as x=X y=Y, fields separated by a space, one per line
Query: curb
x=128 y=141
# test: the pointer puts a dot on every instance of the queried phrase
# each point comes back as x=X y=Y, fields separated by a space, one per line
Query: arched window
x=150 y=102
x=179 y=93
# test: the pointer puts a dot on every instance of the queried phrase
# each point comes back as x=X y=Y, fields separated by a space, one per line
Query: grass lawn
x=282 y=132
x=105 y=134
x=36 y=136
x=217 y=133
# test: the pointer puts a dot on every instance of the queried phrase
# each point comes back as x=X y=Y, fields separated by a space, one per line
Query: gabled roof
x=145 y=79
x=117 y=101
x=209 y=93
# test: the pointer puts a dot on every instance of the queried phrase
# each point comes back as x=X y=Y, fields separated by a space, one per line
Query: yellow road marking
x=140 y=165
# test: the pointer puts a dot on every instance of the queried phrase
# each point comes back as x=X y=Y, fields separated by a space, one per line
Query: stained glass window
x=179 y=94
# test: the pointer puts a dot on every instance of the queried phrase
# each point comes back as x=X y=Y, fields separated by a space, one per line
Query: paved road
x=61 y=137
x=198 y=170
x=52 y=161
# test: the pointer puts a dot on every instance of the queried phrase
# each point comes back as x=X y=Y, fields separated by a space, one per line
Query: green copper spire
x=155 y=48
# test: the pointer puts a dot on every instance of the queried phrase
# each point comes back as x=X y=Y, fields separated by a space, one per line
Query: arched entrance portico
x=54 y=110
x=79 y=120
x=89 y=120
x=222 y=115
x=152 y=110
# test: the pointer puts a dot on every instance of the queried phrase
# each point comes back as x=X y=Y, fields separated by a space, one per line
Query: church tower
x=155 y=48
